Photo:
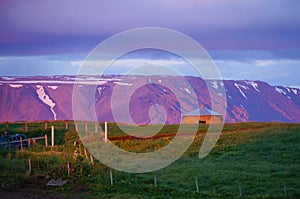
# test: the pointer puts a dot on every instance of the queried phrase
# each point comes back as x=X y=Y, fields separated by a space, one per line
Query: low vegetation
x=250 y=160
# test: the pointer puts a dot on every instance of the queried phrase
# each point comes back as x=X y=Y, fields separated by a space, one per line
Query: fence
x=21 y=143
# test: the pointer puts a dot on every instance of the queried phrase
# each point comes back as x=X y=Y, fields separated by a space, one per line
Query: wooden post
x=46 y=140
x=85 y=153
x=240 y=188
x=8 y=144
x=21 y=143
x=86 y=127
x=29 y=142
x=196 y=181
x=26 y=127
x=29 y=166
x=96 y=127
x=76 y=127
x=111 y=177
x=155 y=180
x=46 y=125
x=284 y=190
x=105 y=132
x=6 y=125
x=67 y=125
x=69 y=171
x=52 y=136
x=92 y=159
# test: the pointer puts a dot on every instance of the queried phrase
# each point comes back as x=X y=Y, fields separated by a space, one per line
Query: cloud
x=50 y=27
x=263 y=62
x=276 y=72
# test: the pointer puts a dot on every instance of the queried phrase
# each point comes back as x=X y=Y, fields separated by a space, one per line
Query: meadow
x=250 y=160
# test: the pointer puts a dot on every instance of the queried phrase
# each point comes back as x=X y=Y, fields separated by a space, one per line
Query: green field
x=250 y=160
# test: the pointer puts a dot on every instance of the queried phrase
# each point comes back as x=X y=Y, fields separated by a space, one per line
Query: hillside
x=260 y=158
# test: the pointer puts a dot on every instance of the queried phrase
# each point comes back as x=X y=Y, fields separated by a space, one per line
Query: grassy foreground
x=250 y=160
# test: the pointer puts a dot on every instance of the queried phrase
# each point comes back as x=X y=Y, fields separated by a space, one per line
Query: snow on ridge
x=53 y=87
x=279 y=90
x=78 y=82
x=295 y=91
x=123 y=83
x=15 y=85
x=46 y=99
x=242 y=86
x=8 y=78
x=238 y=87
x=253 y=84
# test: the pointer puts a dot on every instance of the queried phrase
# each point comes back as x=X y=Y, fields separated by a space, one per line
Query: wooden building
x=202 y=115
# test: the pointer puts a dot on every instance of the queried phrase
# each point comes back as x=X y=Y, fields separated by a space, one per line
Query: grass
x=261 y=157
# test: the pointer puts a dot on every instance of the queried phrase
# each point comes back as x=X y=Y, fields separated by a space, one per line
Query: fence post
x=29 y=142
x=29 y=166
x=92 y=159
x=111 y=177
x=46 y=140
x=96 y=127
x=85 y=153
x=86 y=126
x=6 y=125
x=67 y=125
x=76 y=127
x=240 y=188
x=21 y=143
x=52 y=136
x=196 y=181
x=26 y=127
x=284 y=190
x=105 y=132
x=46 y=125
x=68 y=165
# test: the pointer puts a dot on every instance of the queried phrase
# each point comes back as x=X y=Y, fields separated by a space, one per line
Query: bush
x=71 y=137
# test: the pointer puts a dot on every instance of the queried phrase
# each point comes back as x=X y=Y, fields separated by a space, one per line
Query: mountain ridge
x=49 y=98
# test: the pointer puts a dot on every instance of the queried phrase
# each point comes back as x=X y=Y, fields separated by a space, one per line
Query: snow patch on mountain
x=279 y=90
x=187 y=90
x=45 y=99
x=123 y=83
x=238 y=86
x=253 y=84
x=215 y=85
x=16 y=85
x=53 y=87
x=295 y=91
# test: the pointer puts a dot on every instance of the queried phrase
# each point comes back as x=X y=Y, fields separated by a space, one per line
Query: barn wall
x=209 y=119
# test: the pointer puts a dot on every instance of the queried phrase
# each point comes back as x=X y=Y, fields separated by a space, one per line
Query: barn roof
x=202 y=111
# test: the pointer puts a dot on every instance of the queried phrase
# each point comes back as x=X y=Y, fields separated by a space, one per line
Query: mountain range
x=50 y=98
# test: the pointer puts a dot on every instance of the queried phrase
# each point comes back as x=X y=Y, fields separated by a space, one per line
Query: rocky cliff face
x=50 y=98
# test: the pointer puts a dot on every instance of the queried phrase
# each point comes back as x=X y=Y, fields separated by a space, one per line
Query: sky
x=250 y=39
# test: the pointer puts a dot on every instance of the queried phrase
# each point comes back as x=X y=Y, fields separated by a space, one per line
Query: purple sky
x=248 y=39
